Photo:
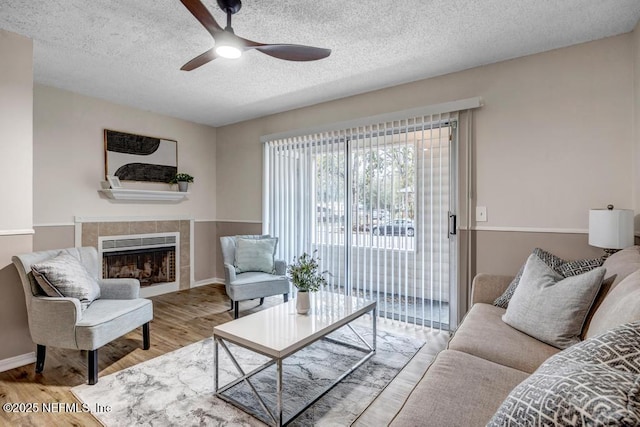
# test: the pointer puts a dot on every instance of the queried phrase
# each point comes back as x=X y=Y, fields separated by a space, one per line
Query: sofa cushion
x=596 y=382
x=552 y=308
x=257 y=285
x=621 y=264
x=621 y=305
x=65 y=273
x=458 y=389
x=107 y=319
x=485 y=335
x=565 y=268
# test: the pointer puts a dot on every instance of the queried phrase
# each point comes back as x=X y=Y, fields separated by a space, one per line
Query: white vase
x=302 y=302
x=183 y=186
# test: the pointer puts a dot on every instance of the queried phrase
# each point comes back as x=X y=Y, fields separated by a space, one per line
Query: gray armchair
x=61 y=322
x=251 y=284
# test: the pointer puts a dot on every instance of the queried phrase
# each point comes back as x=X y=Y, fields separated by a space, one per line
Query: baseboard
x=17 y=361
x=211 y=281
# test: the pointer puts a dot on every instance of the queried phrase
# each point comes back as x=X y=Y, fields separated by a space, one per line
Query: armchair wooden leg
x=235 y=310
x=92 y=359
x=261 y=301
x=41 y=352
x=231 y=305
x=286 y=297
x=146 y=340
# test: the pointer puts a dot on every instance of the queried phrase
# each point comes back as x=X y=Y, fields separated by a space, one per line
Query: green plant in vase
x=306 y=276
x=183 y=180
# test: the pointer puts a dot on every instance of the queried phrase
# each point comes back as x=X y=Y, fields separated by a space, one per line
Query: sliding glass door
x=376 y=203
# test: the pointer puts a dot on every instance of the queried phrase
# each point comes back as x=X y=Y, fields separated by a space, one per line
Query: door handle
x=451 y=225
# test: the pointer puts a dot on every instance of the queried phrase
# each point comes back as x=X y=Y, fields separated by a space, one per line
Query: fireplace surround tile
x=90 y=233
x=185 y=228
x=167 y=226
x=113 y=228
x=185 y=274
x=184 y=251
x=143 y=227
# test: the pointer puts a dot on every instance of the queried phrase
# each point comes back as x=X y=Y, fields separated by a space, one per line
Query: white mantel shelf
x=144 y=195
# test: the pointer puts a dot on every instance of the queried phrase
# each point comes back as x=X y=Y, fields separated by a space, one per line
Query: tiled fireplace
x=156 y=252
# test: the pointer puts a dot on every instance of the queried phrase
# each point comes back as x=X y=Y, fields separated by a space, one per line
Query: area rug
x=177 y=388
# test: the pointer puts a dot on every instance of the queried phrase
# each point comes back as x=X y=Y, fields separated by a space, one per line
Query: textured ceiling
x=130 y=52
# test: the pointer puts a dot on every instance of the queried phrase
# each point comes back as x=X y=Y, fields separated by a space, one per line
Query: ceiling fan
x=228 y=45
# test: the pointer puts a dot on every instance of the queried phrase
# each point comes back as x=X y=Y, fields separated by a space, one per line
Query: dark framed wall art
x=133 y=157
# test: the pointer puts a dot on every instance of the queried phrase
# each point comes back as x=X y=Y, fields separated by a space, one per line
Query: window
x=374 y=202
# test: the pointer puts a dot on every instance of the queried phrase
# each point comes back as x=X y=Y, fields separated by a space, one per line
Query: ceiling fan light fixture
x=228 y=51
x=227 y=45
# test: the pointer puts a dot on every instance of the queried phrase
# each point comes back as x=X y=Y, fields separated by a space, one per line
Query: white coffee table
x=279 y=331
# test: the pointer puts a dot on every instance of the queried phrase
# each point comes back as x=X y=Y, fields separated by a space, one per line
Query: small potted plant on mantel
x=305 y=275
x=183 y=180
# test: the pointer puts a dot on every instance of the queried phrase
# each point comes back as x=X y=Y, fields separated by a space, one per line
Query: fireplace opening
x=149 y=266
x=153 y=259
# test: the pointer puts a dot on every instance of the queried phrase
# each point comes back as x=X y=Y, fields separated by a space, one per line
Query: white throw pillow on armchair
x=255 y=254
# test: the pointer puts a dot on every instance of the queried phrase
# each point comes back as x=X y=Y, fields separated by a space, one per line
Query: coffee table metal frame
x=277 y=418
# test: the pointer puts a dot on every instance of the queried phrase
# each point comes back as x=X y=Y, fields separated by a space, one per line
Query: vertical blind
x=373 y=203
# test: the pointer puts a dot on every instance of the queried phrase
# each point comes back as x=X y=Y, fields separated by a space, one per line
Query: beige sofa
x=485 y=359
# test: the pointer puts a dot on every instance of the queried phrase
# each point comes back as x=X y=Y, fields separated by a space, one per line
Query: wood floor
x=180 y=319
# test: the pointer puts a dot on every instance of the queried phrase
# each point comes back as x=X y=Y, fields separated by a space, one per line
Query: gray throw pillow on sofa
x=255 y=254
x=595 y=382
x=68 y=277
x=565 y=268
x=550 y=307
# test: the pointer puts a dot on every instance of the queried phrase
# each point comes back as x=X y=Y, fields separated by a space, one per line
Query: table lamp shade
x=611 y=228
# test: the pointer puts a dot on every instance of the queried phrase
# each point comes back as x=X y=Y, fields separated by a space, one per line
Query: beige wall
x=14 y=334
x=205 y=250
x=53 y=237
x=504 y=252
x=69 y=158
x=68 y=162
x=636 y=123
x=553 y=139
x=16 y=112
x=16 y=135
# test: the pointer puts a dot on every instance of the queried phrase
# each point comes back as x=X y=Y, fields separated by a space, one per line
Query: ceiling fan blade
x=289 y=52
x=199 y=60
x=203 y=15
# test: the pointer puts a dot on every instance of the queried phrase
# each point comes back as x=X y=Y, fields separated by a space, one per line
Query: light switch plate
x=481 y=213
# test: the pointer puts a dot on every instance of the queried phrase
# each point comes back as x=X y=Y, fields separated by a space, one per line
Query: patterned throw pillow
x=565 y=268
x=64 y=275
x=595 y=382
